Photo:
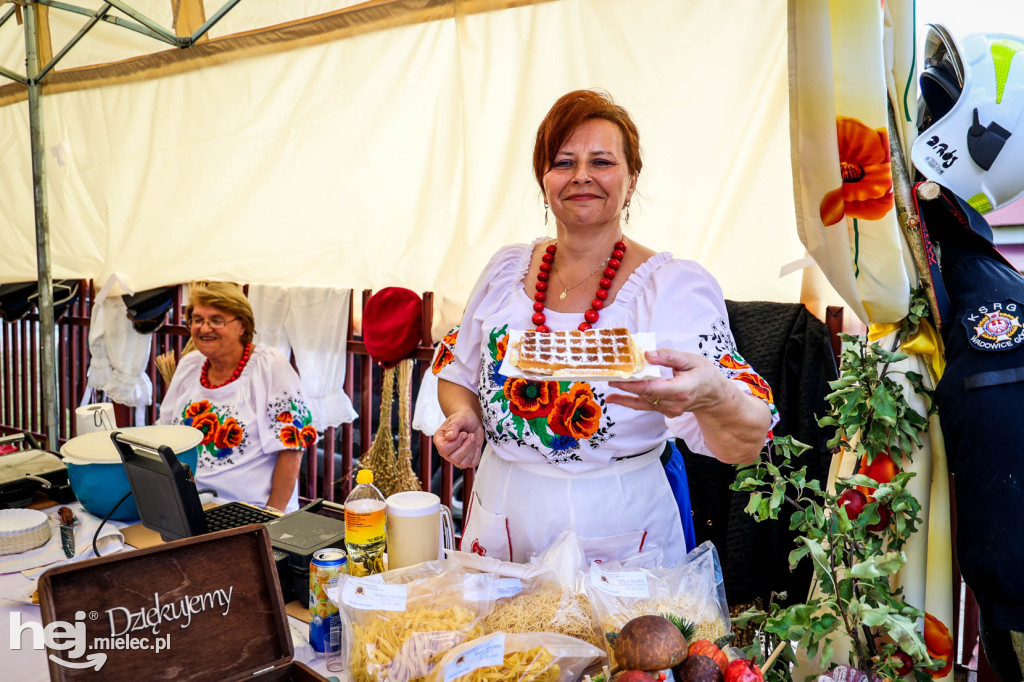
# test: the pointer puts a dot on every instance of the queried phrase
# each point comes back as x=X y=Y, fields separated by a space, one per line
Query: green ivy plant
x=853 y=558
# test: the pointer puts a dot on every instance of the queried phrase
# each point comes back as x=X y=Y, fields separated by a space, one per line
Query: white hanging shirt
x=245 y=423
x=570 y=424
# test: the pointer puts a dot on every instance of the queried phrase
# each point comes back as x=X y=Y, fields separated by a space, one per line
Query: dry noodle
x=533 y=665
x=567 y=613
x=404 y=646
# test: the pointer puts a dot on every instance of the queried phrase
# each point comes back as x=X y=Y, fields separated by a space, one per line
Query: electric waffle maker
x=27 y=471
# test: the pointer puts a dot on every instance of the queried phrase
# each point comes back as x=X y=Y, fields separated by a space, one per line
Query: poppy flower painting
x=866 y=191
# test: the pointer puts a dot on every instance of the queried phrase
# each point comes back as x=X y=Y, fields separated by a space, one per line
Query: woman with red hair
x=587 y=456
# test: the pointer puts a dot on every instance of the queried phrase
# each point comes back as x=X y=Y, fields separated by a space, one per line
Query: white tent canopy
x=389 y=143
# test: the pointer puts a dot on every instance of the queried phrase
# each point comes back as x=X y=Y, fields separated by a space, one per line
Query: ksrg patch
x=995 y=326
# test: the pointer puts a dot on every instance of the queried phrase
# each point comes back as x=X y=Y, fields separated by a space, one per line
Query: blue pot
x=97 y=475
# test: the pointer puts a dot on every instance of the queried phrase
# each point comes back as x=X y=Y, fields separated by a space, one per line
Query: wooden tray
x=216 y=597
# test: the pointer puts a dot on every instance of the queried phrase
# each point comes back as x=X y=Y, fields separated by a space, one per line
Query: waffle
x=595 y=352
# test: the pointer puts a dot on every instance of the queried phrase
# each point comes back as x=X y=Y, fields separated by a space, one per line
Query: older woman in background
x=245 y=398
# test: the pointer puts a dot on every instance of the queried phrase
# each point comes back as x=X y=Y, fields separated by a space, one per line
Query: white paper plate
x=18 y=521
x=643 y=340
x=97 y=448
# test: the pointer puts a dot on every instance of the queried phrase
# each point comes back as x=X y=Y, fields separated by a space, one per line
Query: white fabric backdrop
x=402 y=156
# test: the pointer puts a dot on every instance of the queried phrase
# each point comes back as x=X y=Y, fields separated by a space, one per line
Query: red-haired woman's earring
x=627 y=213
x=545 y=213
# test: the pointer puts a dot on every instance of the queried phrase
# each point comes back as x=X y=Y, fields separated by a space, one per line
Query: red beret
x=392 y=322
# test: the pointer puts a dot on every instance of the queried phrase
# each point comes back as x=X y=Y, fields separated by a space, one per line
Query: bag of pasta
x=553 y=599
x=691 y=592
x=527 y=657
x=397 y=625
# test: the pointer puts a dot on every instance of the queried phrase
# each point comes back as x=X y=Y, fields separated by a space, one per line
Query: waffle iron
x=27 y=471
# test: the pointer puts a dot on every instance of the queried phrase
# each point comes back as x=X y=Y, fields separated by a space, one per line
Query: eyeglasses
x=212 y=323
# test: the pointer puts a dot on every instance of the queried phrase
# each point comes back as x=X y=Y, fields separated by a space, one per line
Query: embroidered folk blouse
x=567 y=423
x=245 y=423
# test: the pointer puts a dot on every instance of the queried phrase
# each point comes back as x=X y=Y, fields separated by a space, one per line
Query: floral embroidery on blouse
x=555 y=418
x=221 y=431
x=719 y=347
x=292 y=422
x=444 y=355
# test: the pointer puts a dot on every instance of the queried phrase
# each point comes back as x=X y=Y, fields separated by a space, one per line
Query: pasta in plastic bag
x=398 y=625
x=546 y=595
x=692 y=590
x=528 y=657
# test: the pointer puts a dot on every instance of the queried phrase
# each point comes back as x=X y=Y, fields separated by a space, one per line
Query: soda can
x=324 y=569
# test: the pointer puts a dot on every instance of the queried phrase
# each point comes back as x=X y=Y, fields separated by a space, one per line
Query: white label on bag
x=509 y=587
x=372 y=596
x=489 y=652
x=620 y=583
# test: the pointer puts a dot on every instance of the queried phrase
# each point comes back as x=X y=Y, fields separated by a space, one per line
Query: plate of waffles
x=611 y=354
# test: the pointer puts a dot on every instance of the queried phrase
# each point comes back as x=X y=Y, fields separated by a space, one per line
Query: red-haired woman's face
x=589 y=181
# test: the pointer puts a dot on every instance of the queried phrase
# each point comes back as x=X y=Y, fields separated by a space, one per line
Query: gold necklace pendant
x=564 y=293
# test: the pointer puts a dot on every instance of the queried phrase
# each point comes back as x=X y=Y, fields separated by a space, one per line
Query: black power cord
x=106 y=518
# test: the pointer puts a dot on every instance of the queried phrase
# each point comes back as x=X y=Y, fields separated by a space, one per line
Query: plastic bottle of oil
x=365 y=526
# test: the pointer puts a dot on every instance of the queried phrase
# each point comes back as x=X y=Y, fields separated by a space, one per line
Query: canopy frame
x=33 y=81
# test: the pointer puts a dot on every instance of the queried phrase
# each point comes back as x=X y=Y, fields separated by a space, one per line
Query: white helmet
x=976 y=148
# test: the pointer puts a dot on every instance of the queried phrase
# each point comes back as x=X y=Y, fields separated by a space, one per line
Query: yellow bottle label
x=364 y=527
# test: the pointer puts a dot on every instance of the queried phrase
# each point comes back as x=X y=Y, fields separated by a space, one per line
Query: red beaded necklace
x=600 y=295
x=204 y=377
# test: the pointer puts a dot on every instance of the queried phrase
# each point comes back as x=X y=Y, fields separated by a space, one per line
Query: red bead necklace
x=204 y=375
x=592 y=315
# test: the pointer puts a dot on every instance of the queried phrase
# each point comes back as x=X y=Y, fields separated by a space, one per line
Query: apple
x=883 y=520
x=906 y=663
x=853 y=501
x=743 y=670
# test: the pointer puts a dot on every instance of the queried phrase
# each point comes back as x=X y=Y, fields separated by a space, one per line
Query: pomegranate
x=743 y=670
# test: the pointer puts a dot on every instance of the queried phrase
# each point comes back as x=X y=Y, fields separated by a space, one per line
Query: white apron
x=518 y=510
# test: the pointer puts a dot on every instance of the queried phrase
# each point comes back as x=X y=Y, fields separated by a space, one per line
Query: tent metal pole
x=8 y=14
x=74 y=41
x=117 y=21
x=145 y=21
x=217 y=16
x=13 y=76
x=47 y=336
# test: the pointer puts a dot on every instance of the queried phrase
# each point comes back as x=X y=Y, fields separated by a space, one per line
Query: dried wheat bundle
x=407 y=478
x=165 y=365
x=380 y=458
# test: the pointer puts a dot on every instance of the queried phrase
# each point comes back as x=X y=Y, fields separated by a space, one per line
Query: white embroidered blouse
x=570 y=423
